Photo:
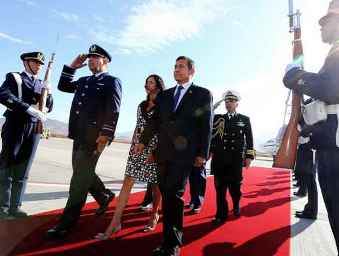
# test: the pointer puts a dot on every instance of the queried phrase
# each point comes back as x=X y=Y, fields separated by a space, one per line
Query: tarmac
x=51 y=172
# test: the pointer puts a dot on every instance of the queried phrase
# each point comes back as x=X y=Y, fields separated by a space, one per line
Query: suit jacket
x=95 y=107
x=323 y=86
x=16 y=108
x=185 y=133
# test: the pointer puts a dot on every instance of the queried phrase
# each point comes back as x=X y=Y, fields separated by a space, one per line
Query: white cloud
x=69 y=17
x=154 y=24
x=28 y=2
x=13 y=39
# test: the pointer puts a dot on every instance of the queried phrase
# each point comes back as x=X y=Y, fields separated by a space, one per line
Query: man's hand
x=37 y=114
x=101 y=143
x=248 y=162
x=138 y=148
x=150 y=159
x=199 y=161
x=78 y=62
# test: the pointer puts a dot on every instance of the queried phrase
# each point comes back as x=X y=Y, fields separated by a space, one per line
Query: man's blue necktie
x=177 y=96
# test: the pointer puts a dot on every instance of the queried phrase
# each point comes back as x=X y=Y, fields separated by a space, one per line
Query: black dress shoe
x=304 y=215
x=17 y=213
x=195 y=210
x=166 y=251
x=236 y=211
x=57 y=232
x=218 y=221
x=103 y=207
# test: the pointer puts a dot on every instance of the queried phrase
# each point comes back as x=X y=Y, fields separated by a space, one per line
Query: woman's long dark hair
x=158 y=82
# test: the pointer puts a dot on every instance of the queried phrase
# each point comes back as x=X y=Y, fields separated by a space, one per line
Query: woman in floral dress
x=141 y=167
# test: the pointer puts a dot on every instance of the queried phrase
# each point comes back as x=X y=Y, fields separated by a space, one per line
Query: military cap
x=98 y=51
x=333 y=10
x=37 y=56
x=231 y=95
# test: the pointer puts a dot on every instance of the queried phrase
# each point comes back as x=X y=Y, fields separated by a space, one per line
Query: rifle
x=43 y=95
x=286 y=154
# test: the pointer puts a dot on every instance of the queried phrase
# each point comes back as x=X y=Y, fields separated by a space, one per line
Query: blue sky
x=242 y=45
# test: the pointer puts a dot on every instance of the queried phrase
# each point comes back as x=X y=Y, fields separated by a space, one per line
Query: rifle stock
x=287 y=152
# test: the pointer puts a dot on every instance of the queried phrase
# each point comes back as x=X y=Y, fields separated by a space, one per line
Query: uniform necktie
x=177 y=96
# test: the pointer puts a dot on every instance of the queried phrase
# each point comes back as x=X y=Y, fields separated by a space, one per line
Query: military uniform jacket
x=95 y=107
x=231 y=139
x=323 y=86
x=185 y=133
x=16 y=107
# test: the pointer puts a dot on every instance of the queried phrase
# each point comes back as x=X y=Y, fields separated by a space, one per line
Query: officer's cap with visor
x=36 y=56
x=333 y=11
x=231 y=95
x=96 y=50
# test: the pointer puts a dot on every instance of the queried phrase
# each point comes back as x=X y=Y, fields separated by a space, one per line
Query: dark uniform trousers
x=307 y=176
x=84 y=180
x=19 y=143
x=228 y=176
x=328 y=175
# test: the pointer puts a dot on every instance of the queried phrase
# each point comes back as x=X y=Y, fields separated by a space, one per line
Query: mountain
x=60 y=129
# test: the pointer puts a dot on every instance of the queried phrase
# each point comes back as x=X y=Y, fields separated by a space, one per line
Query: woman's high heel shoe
x=152 y=224
x=105 y=236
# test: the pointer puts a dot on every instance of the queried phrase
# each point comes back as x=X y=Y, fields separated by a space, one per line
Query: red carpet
x=263 y=229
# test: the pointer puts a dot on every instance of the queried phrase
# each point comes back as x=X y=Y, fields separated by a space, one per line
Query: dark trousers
x=328 y=175
x=19 y=144
x=312 y=192
x=197 y=182
x=173 y=179
x=222 y=184
x=84 y=180
x=307 y=176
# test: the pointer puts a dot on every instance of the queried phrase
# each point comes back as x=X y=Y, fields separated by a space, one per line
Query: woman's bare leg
x=122 y=201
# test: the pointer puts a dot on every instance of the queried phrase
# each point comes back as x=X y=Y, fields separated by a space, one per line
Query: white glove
x=292 y=65
x=47 y=85
x=37 y=114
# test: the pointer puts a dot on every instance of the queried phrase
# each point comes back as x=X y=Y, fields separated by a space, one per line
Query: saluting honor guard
x=20 y=93
x=92 y=122
x=323 y=87
x=232 y=144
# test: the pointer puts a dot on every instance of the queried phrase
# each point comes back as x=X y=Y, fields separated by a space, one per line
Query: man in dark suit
x=183 y=122
x=20 y=93
x=92 y=122
x=231 y=145
x=324 y=86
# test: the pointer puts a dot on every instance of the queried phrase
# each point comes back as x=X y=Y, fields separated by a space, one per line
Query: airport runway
x=51 y=172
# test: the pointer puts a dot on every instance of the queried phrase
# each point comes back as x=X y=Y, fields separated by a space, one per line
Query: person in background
x=183 y=122
x=231 y=146
x=324 y=87
x=92 y=122
x=20 y=93
x=140 y=166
